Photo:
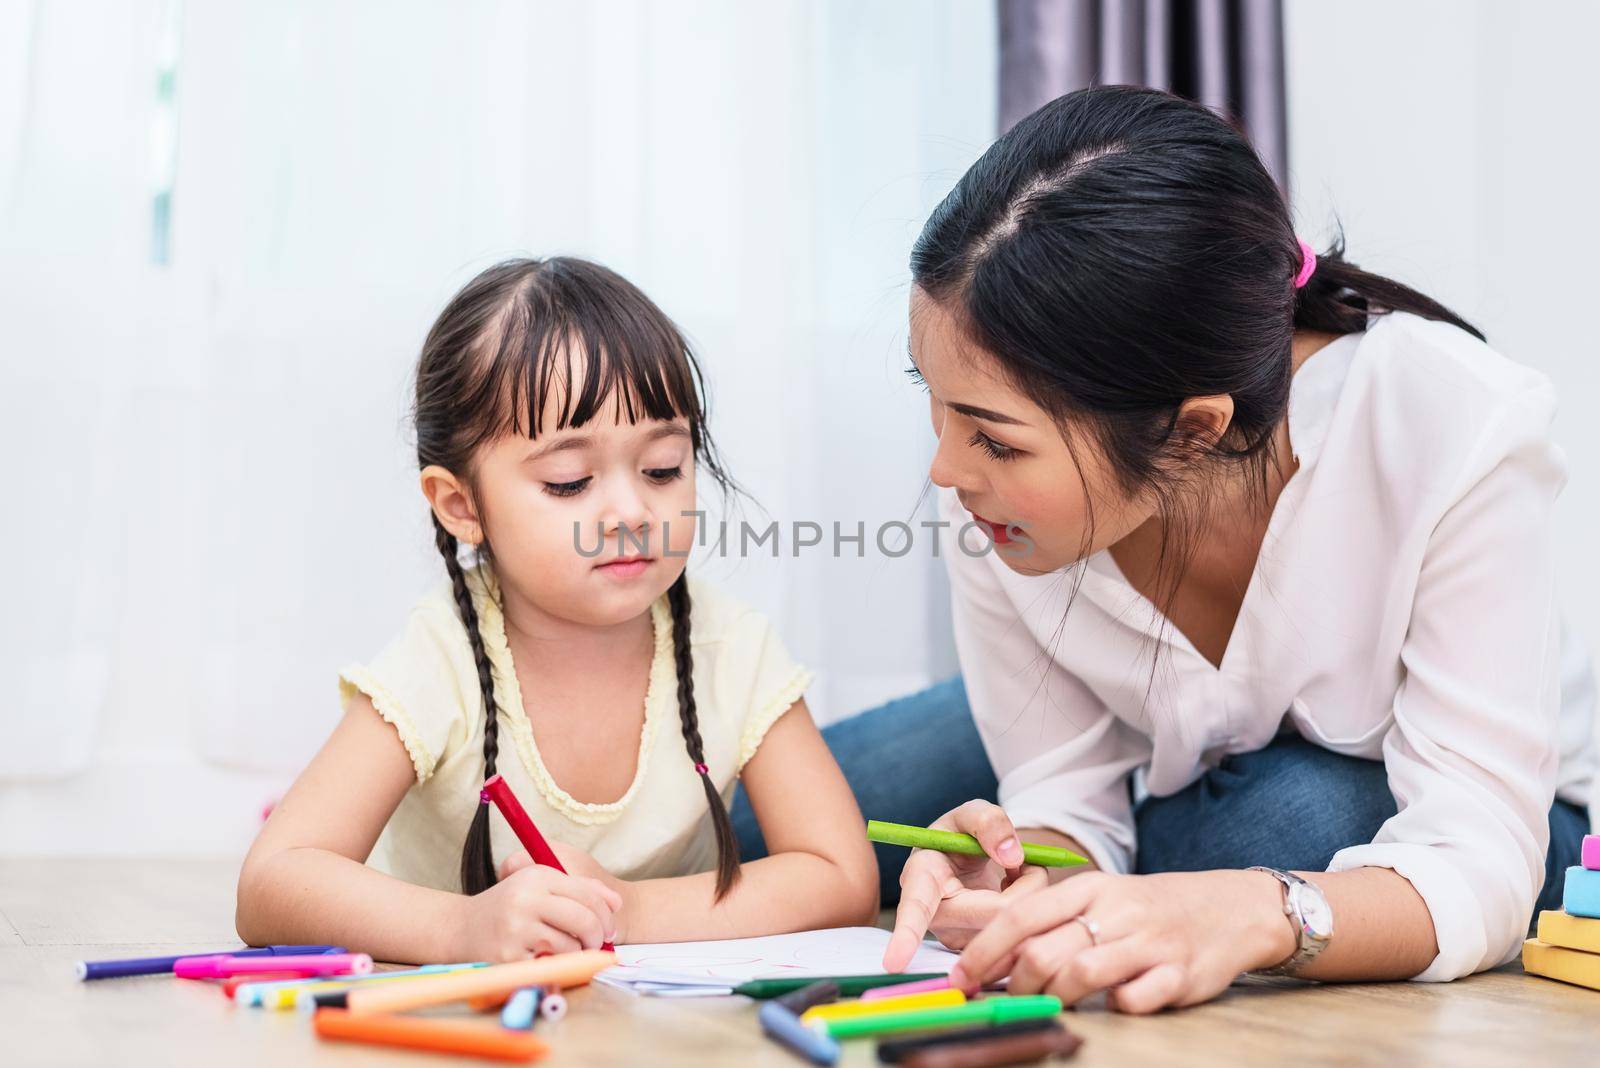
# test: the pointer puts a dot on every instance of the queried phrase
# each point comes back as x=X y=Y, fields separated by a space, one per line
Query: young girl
x=559 y=425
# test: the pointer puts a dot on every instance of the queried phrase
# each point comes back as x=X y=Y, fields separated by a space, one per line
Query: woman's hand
x=956 y=896
x=533 y=911
x=1159 y=940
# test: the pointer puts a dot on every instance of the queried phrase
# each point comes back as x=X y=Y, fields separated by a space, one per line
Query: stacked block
x=1568 y=945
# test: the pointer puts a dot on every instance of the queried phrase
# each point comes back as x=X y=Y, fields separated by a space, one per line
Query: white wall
x=214 y=493
x=1456 y=142
x=210 y=486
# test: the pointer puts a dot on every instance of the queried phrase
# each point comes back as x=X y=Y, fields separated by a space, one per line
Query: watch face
x=1316 y=913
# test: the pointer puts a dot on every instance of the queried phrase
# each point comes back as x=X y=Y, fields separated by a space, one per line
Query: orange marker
x=489 y=1002
x=563 y=969
x=442 y=1035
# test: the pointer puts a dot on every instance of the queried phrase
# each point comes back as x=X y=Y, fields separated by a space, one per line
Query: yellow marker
x=843 y=1010
x=288 y=996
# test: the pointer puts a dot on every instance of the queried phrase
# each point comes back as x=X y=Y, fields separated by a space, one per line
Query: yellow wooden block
x=1567 y=965
x=1572 y=932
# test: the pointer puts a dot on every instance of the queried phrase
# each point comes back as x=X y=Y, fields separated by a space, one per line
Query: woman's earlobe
x=1204 y=421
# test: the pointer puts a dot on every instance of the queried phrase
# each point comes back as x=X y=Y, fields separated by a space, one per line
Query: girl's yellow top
x=426 y=685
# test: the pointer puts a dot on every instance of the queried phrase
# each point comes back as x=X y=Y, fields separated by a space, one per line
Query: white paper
x=688 y=969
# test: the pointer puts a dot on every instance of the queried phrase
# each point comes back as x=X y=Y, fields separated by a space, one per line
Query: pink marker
x=921 y=986
x=221 y=967
x=1591 y=852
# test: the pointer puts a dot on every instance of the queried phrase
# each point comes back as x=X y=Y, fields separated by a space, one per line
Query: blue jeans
x=1291 y=805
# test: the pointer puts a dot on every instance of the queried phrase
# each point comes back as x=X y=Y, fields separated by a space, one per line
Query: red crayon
x=499 y=792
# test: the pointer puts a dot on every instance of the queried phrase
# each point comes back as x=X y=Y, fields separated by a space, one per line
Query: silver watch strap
x=1307 y=945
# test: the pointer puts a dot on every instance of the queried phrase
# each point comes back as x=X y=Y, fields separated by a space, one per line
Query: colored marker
x=521 y=1009
x=849 y=985
x=784 y=1027
x=499 y=791
x=822 y=992
x=441 y=1034
x=258 y=991
x=553 y=1005
x=338 y=995
x=223 y=967
x=892 y=1051
x=1046 y=856
x=844 y=1010
x=920 y=986
x=302 y=993
x=231 y=985
x=562 y=969
x=991 y=1010
x=489 y=1002
x=113 y=969
x=994 y=1051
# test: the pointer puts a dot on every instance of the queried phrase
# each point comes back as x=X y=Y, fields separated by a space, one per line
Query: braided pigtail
x=727 y=844
x=477 y=856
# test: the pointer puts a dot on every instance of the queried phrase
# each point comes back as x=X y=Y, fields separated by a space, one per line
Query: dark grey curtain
x=1226 y=54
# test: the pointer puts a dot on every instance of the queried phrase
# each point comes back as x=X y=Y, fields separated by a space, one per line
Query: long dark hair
x=488 y=366
x=1122 y=250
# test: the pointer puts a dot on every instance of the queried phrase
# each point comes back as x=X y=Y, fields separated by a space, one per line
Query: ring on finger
x=1091 y=927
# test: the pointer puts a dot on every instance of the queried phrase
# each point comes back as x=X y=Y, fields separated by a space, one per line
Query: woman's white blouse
x=1403 y=609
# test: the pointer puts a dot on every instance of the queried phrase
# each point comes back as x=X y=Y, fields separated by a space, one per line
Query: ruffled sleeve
x=423 y=683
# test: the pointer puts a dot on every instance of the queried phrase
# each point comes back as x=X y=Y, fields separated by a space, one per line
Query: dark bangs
x=529 y=329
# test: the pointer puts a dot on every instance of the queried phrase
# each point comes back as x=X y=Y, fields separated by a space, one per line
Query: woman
x=1271 y=585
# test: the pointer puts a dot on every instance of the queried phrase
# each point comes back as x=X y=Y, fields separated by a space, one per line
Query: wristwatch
x=1309 y=914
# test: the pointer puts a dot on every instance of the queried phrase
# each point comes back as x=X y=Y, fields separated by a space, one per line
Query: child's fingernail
x=958 y=978
x=1010 y=852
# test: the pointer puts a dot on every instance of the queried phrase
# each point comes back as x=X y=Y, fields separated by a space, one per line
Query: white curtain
x=212 y=489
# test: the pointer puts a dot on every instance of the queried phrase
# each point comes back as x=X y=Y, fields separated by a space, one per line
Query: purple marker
x=116 y=969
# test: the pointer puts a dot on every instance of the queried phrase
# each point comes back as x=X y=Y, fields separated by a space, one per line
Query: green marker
x=849 y=985
x=899 y=834
x=998 y=1009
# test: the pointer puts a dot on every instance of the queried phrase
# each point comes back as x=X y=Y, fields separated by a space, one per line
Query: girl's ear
x=452 y=504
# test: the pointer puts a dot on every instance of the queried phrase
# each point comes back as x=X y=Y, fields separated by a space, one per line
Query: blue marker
x=784 y=1026
x=521 y=1009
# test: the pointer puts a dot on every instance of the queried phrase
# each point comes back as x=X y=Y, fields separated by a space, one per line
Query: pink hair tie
x=702 y=769
x=1308 y=264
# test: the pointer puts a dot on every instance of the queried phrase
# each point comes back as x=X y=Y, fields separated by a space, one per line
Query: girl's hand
x=1171 y=939
x=534 y=911
x=580 y=865
x=956 y=896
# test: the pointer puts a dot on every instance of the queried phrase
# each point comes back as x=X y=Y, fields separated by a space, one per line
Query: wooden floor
x=53 y=913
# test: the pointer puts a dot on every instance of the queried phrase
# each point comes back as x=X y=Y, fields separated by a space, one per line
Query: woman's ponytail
x=1339 y=297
